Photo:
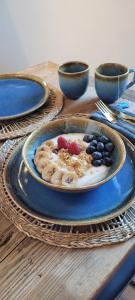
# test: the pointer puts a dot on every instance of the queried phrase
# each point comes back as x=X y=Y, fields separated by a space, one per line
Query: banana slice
x=40 y=155
x=57 y=177
x=46 y=146
x=49 y=170
x=49 y=144
x=69 y=179
x=43 y=147
x=41 y=164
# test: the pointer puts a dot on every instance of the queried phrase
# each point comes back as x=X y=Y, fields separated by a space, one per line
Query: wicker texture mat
x=117 y=230
x=22 y=126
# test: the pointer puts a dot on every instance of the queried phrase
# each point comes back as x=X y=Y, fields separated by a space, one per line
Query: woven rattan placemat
x=22 y=126
x=117 y=230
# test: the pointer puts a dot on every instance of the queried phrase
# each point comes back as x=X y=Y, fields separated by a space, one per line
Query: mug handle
x=133 y=81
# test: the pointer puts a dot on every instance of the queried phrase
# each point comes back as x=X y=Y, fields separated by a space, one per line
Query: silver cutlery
x=113 y=116
x=123 y=116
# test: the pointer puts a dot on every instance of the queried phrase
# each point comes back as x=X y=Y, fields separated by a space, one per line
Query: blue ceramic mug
x=111 y=80
x=73 y=78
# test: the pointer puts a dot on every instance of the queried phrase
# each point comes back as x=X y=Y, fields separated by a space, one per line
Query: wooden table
x=32 y=270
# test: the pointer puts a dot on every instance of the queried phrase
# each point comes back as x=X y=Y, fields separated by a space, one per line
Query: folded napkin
x=122 y=126
x=118 y=107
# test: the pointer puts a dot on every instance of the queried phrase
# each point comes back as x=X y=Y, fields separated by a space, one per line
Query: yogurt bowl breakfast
x=73 y=154
x=72 y=160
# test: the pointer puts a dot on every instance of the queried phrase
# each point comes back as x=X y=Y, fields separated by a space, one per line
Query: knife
x=123 y=116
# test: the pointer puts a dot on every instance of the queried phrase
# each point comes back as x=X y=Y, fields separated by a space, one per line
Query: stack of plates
x=91 y=207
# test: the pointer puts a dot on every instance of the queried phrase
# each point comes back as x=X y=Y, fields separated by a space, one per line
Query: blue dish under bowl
x=70 y=125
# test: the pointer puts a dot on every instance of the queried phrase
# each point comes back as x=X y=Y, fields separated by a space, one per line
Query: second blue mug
x=111 y=80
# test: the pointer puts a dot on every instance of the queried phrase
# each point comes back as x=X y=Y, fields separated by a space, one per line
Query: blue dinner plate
x=21 y=95
x=95 y=206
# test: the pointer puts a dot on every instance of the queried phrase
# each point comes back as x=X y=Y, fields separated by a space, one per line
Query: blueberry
x=96 y=155
x=88 y=138
x=105 y=154
x=96 y=135
x=100 y=146
x=108 y=161
x=97 y=162
x=90 y=149
x=104 y=139
x=109 y=147
x=93 y=143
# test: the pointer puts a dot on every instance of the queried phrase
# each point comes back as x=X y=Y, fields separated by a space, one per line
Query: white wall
x=95 y=31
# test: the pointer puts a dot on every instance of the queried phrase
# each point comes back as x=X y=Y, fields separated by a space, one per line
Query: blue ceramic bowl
x=68 y=125
x=73 y=79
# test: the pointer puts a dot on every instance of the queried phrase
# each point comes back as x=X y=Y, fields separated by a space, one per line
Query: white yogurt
x=93 y=175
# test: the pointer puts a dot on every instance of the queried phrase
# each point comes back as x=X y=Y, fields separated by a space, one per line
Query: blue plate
x=95 y=206
x=21 y=95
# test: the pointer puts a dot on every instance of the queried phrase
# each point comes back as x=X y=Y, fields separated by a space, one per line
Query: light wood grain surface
x=32 y=270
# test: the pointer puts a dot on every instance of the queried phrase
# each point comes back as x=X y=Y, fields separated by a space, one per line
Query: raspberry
x=62 y=143
x=74 y=148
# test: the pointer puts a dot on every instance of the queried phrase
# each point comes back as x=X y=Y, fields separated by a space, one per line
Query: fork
x=109 y=114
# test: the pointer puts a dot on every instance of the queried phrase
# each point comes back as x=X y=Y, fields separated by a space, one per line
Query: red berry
x=74 y=148
x=62 y=143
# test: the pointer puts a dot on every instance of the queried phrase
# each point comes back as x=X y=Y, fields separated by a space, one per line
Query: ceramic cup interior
x=73 y=67
x=73 y=79
x=111 y=69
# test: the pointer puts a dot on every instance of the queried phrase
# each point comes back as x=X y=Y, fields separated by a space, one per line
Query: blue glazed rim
x=75 y=62
x=112 y=77
x=35 y=107
x=38 y=216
